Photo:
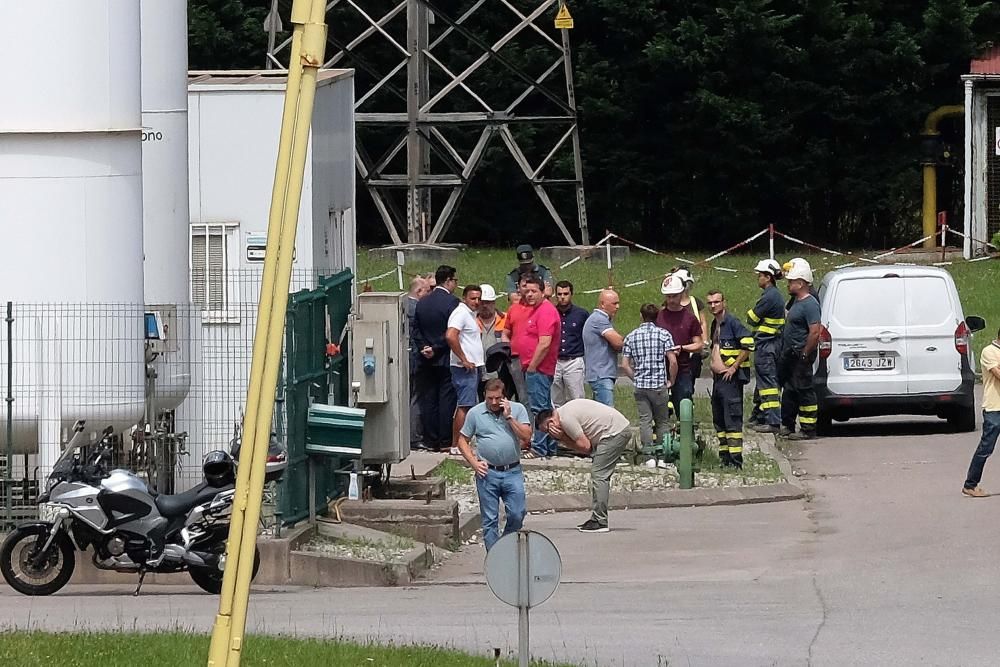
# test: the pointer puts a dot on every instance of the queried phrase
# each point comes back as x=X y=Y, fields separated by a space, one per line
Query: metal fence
x=170 y=379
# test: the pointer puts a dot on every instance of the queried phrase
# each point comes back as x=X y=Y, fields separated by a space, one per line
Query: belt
x=568 y=358
x=509 y=466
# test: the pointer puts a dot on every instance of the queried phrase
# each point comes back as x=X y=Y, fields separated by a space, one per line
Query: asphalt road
x=885 y=564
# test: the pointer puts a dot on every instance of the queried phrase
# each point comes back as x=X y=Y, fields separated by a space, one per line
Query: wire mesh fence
x=169 y=379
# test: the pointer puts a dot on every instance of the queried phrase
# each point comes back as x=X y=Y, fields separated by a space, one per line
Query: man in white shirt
x=467 y=357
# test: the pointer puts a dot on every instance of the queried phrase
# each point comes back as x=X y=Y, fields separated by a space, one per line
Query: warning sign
x=563 y=19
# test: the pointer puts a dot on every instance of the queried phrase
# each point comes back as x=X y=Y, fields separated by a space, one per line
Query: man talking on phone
x=501 y=429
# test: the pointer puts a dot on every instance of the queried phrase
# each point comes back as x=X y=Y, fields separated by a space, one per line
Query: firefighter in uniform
x=799 y=341
x=766 y=320
x=731 y=348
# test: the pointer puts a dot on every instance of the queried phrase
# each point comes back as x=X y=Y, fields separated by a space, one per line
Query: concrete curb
x=742 y=495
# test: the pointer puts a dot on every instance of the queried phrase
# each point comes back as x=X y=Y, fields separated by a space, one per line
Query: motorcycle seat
x=179 y=504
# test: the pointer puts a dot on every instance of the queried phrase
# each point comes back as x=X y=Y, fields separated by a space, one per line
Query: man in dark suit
x=437 y=396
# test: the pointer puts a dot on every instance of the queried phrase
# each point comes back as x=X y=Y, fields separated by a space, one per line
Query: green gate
x=315 y=318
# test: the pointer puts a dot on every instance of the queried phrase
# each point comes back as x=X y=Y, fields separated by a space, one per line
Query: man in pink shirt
x=536 y=342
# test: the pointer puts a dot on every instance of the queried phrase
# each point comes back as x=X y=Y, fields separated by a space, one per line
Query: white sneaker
x=454 y=451
x=651 y=463
x=662 y=464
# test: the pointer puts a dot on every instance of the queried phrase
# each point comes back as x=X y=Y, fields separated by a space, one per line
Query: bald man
x=601 y=344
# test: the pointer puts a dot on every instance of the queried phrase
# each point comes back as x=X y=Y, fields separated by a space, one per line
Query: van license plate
x=869 y=363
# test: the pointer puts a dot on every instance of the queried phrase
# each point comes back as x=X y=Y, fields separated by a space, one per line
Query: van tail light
x=962 y=335
x=825 y=346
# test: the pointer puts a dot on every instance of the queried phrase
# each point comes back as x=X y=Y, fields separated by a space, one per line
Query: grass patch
x=452 y=472
x=490 y=265
x=84 y=649
x=389 y=550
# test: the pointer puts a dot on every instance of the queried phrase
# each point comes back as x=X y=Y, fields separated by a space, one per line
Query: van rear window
x=869 y=302
x=927 y=301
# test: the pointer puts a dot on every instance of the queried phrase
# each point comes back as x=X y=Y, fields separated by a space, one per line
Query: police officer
x=766 y=320
x=731 y=348
x=526 y=265
x=799 y=341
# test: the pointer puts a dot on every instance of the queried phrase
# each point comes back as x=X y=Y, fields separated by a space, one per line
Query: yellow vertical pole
x=930 y=204
x=307 y=52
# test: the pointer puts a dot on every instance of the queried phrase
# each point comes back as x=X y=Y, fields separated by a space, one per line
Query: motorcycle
x=129 y=527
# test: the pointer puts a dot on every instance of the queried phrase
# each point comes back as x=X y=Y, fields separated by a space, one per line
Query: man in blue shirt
x=731 y=348
x=567 y=384
x=601 y=344
x=501 y=429
x=799 y=341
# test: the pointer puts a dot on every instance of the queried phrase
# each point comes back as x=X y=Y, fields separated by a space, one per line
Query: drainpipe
x=931 y=149
x=967 y=207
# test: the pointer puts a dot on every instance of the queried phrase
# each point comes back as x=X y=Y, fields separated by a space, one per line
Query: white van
x=895 y=341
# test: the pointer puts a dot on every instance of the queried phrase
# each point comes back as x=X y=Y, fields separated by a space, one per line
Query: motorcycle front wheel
x=209 y=579
x=30 y=572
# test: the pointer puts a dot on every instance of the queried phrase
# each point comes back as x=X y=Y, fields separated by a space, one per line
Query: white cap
x=685 y=276
x=798 y=269
x=489 y=294
x=672 y=284
x=768 y=266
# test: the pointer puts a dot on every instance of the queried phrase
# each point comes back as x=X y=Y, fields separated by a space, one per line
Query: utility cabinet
x=380 y=375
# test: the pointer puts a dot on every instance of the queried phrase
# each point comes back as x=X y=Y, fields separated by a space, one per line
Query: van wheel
x=963 y=420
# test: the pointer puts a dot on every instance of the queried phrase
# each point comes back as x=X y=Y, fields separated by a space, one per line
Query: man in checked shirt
x=651 y=362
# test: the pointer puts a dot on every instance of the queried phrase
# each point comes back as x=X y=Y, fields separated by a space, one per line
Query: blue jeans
x=496 y=486
x=604 y=391
x=991 y=431
x=540 y=398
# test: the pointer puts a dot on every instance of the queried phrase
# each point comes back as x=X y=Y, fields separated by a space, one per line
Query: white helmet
x=768 y=266
x=672 y=284
x=798 y=269
x=489 y=294
x=685 y=276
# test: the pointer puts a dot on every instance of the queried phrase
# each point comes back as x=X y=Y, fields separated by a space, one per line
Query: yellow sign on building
x=563 y=19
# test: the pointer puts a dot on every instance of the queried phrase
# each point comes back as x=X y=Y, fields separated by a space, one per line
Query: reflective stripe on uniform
x=773 y=391
x=753 y=316
x=811 y=410
x=770 y=405
x=808 y=408
x=776 y=321
x=734 y=435
x=807 y=420
x=768 y=330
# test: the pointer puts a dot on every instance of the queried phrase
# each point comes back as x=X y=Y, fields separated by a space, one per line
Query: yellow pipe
x=929 y=215
x=308 y=46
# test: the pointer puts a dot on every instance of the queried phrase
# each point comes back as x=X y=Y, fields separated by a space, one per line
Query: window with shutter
x=209 y=267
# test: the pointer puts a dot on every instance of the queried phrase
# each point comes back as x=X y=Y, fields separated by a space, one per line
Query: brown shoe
x=977 y=492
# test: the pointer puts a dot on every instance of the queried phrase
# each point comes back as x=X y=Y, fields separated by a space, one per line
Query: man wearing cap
x=767 y=321
x=686 y=331
x=799 y=341
x=526 y=264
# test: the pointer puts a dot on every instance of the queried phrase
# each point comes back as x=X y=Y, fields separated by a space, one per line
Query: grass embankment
x=975 y=281
x=177 y=649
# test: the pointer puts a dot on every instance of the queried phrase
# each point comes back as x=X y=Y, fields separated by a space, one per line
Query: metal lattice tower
x=430 y=122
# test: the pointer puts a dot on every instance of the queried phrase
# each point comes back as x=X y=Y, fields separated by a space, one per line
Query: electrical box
x=380 y=375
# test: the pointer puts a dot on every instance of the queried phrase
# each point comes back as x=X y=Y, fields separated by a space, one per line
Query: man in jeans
x=501 y=430
x=652 y=365
x=989 y=362
x=601 y=344
x=467 y=357
x=568 y=381
x=536 y=343
x=595 y=430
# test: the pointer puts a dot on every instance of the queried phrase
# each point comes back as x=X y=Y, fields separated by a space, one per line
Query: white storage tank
x=166 y=227
x=71 y=211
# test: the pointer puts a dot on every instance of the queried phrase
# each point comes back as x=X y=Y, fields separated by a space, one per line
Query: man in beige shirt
x=989 y=363
x=595 y=430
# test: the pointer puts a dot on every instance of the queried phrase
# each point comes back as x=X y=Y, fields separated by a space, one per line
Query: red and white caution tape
x=735 y=247
x=904 y=247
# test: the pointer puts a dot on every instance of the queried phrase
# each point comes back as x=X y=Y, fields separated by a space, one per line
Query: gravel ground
x=758 y=470
x=383 y=552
